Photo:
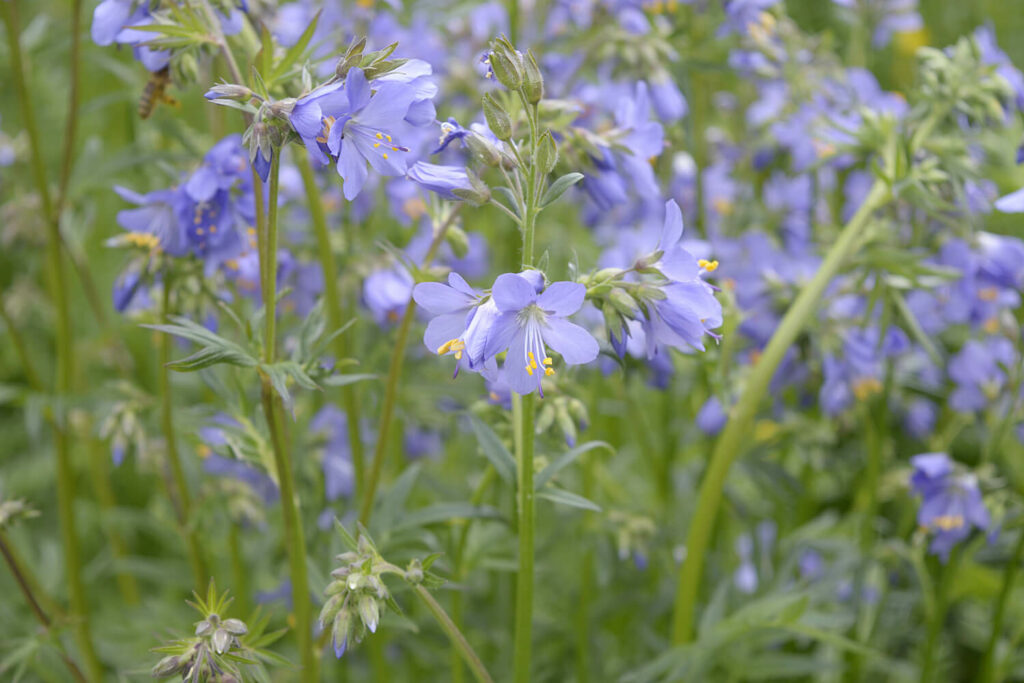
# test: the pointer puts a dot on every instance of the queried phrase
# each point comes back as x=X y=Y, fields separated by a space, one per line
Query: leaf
x=446 y=512
x=494 y=450
x=349 y=539
x=295 y=51
x=345 y=380
x=559 y=187
x=565 y=460
x=564 y=497
x=216 y=349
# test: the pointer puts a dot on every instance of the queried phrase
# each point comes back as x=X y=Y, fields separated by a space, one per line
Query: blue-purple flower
x=529 y=322
x=951 y=503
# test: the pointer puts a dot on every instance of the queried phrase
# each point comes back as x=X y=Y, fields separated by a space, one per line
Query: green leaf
x=565 y=460
x=559 y=187
x=494 y=450
x=563 y=497
x=345 y=380
x=295 y=51
x=349 y=539
x=446 y=512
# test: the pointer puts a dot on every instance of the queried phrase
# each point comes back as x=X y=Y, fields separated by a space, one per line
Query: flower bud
x=484 y=149
x=497 y=118
x=235 y=627
x=369 y=612
x=547 y=153
x=414 y=574
x=505 y=65
x=477 y=193
x=566 y=424
x=621 y=300
x=229 y=91
x=458 y=240
x=353 y=55
x=186 y=68
x=221 y=641
x=166 y=666
x=533 y=81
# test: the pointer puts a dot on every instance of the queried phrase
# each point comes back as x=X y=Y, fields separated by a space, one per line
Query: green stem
x=583 y=621
x=394 y=376
x=20 y=576
x=523 y=411
x=459 y=565
x=737 y=431
x=459 y=641
x=294 y=536
x=27 y=366
x=179 y=493
x=64 y=355
x=987 y=673
x=335 y=312
x=239 y=570
x=938 y=617
x=99 y=468
x=522 y=418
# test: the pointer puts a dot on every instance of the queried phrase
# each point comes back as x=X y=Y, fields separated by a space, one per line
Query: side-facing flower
x=530 y=322
x=951 y=503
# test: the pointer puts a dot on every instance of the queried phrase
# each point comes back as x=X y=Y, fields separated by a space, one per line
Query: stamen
x=379 y=136
x=709 y=266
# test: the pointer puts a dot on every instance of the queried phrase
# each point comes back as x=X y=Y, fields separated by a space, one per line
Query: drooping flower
x=530 y=322
x=951 y=503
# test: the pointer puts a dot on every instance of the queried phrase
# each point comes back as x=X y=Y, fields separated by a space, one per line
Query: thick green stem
x=987 y=673
x=64 y=355
x=179 y=494
x=393 y=379
x=335 y=312
x=27 y=589
x=459 y=641
x=294 y=536
x=239 y=570
x=737 y=431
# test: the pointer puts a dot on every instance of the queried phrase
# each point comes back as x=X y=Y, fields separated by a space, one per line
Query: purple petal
x=439 y=299
x=512 y=293
x=576 y=345
x=357 y=88
x=443 y=329
x=562 y=298
x=352 y=168
x=672 y=231
x=502 y=331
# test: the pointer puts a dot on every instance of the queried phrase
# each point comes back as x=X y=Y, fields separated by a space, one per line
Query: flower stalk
x=64 y=352
x=295 y=540
x=335 y=312
x=730 y=443
x=394 y=376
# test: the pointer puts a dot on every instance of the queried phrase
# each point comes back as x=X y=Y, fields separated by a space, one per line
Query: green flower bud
x=497 y=118
x=533 y=81
x=458 y=240
x=369 y=612
x=506 y=65
x=547 y=153
x=477 y=194
x=621 y=300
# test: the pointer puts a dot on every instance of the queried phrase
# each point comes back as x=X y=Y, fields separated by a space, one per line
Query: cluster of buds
x=959 y=76
x=514 y=70
x=633 y=536
x=568 y=413
x=355 y=595
x=619 y=299
x=214 y=654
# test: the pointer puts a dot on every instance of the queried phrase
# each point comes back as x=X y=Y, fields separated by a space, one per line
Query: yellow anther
x=213 y=229
x=379 y=136
x=549 y=371
x=199 y=231
x=388 y=137
x=328 y=122
x=710 y=266
x=251 y=231
x=948 y=522
x=722 y=206
x=445 y=348
x=376 y=145
x=548 y=361
x=394 y=149
x=385 y=155
x=529 y=370
x=203 y=451
x=988 y=294
x=865 y=387
x=991 y=325
x=533 y=360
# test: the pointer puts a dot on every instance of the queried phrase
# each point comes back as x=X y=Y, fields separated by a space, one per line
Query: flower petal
x=576 y=345
x=439 y=299
x=512 y=292
x=562 y=298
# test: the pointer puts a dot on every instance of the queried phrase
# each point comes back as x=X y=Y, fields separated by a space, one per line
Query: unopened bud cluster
x=354 y=596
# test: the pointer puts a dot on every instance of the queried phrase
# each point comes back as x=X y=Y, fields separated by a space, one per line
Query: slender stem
x=987 y=673
x=99 y=469
x=64 y=355
x=71 y=125
x=25 y=585
x=239 y=570
x=27 y=366
x=394 y=375
x=452 y=631
x=335 y=313
x=179 y=494
x=736 y=431
x=938 y=616
x=294 y=536
x=522 y=419
x=523 y=425
x=222 y=41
